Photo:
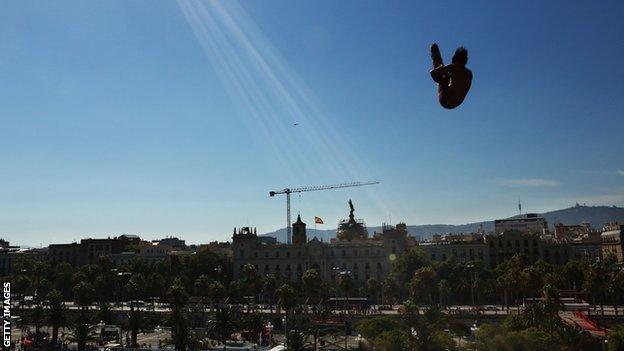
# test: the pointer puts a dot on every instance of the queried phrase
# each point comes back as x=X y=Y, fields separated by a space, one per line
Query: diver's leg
x=436 y=57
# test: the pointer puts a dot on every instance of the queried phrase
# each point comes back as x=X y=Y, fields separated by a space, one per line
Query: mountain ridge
x=597 y=216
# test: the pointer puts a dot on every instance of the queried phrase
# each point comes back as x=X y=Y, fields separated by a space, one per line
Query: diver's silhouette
x=453 y=80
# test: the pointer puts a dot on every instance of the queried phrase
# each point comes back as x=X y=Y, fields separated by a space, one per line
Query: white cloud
x=617 y=172
x=530 y=182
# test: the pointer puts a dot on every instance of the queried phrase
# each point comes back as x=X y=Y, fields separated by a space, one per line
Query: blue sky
x=176 y=118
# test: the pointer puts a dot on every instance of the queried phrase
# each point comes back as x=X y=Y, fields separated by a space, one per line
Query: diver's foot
x=435 y=55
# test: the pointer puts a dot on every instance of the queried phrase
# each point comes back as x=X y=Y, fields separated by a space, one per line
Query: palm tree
x=254 y=324
x=156 y=287
x=180 y=330
x=223 y=325
x=286 y=297
x=444 y=289
x=615 y=286
x=295 y=340
x=82 y=333
x=373 y=287
x=269 y=287
x=311 y=283
x=56 y=314
x=202 y=287
x=84 y=294
x=594 y=284
x=133 y=292
x=389 y=290
x=424 y=283
x=250 y=280
x=216 y=291
x=105 y=313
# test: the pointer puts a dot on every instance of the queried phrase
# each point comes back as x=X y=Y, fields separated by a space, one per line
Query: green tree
x=286 y=297
x=392 y=340
x=296 y=341
x=444 y=291
x=615 y=339
x=180 y=329
x=423 y=285
x=375 y=326
x=223 y=324
x=82 y=333
x=202 y=289
x=216 y=291
x=105 y=313
x=56 y=313
x=269 y=288
x=84 y=295
x=254 y=324
x=312 y=283
x=373 y=288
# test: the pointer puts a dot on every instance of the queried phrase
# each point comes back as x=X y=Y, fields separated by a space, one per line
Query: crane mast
x=289 y=191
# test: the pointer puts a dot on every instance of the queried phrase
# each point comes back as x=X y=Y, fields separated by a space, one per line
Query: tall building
x=529 y=223
x=613 y=240
x=89 y=250
x=352 y=252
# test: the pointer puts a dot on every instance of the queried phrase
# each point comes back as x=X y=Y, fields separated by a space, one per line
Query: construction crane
x=288 y=191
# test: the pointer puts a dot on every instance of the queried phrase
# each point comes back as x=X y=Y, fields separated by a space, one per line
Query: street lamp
x=101 y=325
x=158 y=330
x=360 y=340
x=284 y=320
x=269 y=328
x=471 y=266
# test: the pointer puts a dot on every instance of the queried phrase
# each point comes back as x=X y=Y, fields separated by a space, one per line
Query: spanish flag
x=318 y=220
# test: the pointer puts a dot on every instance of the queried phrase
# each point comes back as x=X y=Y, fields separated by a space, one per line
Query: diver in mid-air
x=453 y=80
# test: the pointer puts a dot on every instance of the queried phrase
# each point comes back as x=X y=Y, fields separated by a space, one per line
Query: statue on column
x=351 y=216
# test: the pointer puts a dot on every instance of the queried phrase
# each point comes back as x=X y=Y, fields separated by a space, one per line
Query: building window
x=242 y=253
x=277 y=254
x=298 y=253
x=344 y=253
x=287 y=253
x=355 y=252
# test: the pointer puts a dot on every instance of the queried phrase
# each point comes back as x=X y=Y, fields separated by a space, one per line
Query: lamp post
x=472 y=284
x=269 y=328
x=218 y=269
x=158 y=330
x=284 y=321
x=345 y=275
x=101 y=325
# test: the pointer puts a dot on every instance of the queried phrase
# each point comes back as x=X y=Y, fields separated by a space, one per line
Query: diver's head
x=461 y=56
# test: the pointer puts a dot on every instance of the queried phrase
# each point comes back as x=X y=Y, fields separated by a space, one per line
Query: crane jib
x=288 y=191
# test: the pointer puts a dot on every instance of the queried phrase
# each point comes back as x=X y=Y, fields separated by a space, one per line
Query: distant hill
x=595 y=215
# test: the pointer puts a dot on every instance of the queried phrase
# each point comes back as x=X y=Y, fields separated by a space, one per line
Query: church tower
x=299 y=232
